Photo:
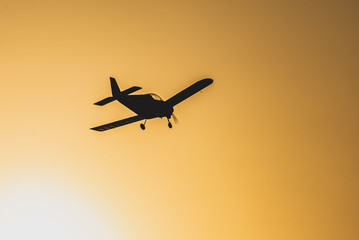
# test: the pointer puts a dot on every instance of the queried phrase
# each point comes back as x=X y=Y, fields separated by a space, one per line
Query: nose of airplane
x=169 y=111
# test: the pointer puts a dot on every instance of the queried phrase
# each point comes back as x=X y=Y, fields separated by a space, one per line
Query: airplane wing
x=194 y=88
x=117 y=123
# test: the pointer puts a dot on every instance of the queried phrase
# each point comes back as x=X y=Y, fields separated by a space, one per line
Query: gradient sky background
x=269 y=151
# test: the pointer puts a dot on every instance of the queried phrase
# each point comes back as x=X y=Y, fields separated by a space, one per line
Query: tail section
x=105 y=101
x=114 y=88
x=130 y=90
x=116 y=93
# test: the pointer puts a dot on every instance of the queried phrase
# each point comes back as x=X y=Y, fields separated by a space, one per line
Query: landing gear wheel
x=170 y=125
x=142 y=126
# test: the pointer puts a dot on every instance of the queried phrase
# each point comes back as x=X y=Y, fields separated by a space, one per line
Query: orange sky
x=268 y=151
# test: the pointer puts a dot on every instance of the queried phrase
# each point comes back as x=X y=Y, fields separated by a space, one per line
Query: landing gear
x=142 y=125
x=169 y=123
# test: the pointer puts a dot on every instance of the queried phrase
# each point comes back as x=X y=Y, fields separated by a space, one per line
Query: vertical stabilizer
x=114 y=88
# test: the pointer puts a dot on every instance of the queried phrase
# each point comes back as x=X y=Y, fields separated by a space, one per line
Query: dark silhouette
x=147 y=106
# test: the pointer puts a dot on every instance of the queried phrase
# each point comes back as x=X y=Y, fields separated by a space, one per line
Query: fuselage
x=146 y=106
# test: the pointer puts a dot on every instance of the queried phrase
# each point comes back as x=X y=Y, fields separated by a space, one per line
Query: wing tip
x=116 y=124
x=207 y=81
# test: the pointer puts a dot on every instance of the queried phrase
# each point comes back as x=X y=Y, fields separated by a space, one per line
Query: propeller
x=175 y=119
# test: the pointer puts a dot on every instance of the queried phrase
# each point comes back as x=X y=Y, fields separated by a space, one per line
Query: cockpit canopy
x=156 y=97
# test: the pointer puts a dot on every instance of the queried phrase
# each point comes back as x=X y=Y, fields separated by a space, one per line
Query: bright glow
x=42 y=211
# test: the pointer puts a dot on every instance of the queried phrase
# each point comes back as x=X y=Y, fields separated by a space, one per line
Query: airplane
x=147 y=106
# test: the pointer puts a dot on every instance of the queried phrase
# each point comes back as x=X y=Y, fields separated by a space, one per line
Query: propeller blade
x=175 y=119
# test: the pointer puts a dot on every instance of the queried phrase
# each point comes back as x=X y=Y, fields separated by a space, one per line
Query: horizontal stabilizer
x=104 y=101
x=194 y=88
x=117 y=123
x=130 y=90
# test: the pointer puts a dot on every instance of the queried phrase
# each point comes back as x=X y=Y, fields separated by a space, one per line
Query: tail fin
x=114 y=88
x=116 y=92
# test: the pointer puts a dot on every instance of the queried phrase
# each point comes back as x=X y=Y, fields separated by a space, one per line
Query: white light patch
x=42 y=211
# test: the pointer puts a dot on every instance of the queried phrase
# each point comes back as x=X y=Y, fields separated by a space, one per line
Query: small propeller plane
x=147 y=106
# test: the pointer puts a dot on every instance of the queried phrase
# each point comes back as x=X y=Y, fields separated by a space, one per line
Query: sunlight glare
x=41 y=210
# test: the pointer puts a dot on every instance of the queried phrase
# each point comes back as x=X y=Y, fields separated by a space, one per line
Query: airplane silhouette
x=147 y=106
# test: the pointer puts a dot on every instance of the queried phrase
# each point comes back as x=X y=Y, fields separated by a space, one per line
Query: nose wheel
x=169 y=123
x=142 y=125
